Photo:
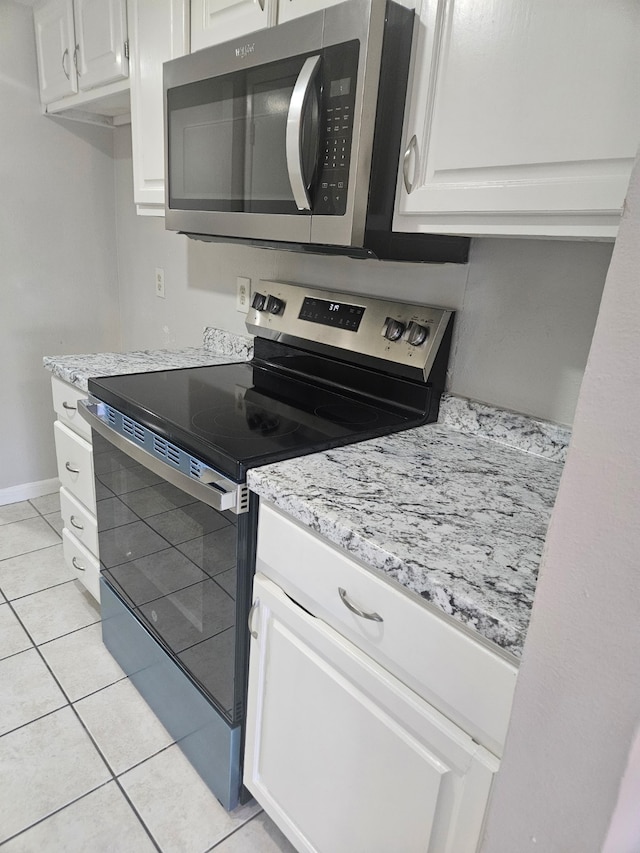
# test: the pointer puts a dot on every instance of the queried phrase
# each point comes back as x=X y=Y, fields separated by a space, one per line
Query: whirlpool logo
x=245 y=50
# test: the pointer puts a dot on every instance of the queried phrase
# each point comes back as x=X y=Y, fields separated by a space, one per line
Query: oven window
x=173 y=561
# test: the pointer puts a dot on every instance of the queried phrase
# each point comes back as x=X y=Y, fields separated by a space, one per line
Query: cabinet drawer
x=461 y=677
x=75 y=465
x=79 y=521
x=82 y=563
x=65 y=400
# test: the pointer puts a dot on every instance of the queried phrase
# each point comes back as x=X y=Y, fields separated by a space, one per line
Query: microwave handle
x=299 y=99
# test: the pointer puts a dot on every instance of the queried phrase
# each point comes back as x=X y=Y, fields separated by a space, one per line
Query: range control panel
x=398 y=332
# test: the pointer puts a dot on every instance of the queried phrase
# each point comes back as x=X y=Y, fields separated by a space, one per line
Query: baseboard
x=28 y=490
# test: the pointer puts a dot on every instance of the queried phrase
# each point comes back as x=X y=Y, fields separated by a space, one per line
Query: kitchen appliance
x=291 y=137
x=176 y=522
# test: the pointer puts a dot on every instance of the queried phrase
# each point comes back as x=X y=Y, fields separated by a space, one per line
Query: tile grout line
x=71 y=705
x=34 y=550
x=237 y=829
x=55 y=812
x=36 y=591
x=114 y=777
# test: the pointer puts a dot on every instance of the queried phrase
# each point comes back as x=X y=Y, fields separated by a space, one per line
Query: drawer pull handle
x=75 y=523
x=375 y=617
x=406 y=161
x=77 y=566
x=71 y=469
x=255 y=604
x=68 y=407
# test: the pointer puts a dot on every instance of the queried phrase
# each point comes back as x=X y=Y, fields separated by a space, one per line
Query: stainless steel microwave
x=290 y=138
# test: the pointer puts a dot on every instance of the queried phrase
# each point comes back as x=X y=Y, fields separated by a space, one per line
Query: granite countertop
x=456 y=512
x=219 y=347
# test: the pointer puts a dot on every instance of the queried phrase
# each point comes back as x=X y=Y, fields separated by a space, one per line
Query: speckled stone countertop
x=219 y=347
x=456 y=512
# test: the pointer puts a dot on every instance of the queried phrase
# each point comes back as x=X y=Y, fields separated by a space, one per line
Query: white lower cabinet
x=82 y=563
x=79 y=520
x=74 y=455
x=75 y=464
x=342 y=755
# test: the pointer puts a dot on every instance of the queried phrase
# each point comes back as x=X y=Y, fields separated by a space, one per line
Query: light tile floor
x=84 y=764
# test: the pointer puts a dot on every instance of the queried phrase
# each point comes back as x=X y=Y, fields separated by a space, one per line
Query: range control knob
x=274 y=305
x=392 y=329
x=416 y=334
x=258 y=301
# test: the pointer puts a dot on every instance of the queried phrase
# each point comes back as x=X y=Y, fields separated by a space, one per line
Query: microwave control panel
x=340 y=66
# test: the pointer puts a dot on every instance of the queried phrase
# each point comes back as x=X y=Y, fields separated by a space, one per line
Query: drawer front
x=82 y=563
x=465 y=680
x=65 y=403
x=75 y=465
x=79 y=521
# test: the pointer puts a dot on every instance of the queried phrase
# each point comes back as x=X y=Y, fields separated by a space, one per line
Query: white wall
x=577 y=702
x=58 y=286
x=527 y=308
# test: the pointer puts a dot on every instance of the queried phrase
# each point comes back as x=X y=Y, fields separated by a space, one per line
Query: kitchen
x=98 y=292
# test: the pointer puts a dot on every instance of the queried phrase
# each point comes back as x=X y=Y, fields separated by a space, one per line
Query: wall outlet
x=243 y=294
x=160 y=282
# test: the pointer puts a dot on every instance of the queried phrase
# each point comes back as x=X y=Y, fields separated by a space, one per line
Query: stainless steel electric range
x=176 y=524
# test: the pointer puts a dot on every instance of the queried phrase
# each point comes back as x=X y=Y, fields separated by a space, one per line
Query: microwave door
x=207 y=137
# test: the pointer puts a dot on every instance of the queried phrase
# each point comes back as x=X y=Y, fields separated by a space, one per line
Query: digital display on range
x=337 y=314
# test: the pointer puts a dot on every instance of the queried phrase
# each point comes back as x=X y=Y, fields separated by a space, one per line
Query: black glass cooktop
x=238 y=416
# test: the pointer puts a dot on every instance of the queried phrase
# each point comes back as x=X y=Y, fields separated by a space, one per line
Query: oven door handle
x=302 y=91
x=216 y=491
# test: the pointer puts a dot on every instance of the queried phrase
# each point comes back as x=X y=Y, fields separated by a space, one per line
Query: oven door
x=180 y=566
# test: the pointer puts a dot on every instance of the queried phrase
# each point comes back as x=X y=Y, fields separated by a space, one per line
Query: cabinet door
x=81 y=564
x=524 y=118
x=158 y=30
x=65 y=404
x=289 y=9
x=215 y=21
x=75 y=465
x=55 y=44
x=344 y=757
x=101 y=33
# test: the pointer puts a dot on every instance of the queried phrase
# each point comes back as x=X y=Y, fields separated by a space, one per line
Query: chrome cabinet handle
x=71 y=469
x=412 y=147
x=75 y=523
x=255 y=604
x=69 y=408
x=294 y=132
x=65 y=55
x=375 y=617
x=75 y=58
x=77 y=566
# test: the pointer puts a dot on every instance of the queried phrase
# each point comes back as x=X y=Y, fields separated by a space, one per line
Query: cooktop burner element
x=249 y=422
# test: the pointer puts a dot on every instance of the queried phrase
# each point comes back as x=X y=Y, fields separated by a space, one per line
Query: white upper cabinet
x=215 y=21
x=289 y=9
x=159 y=31
x=82 y=52
x=523 y=118
x=101 y=33
x=55 y=44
